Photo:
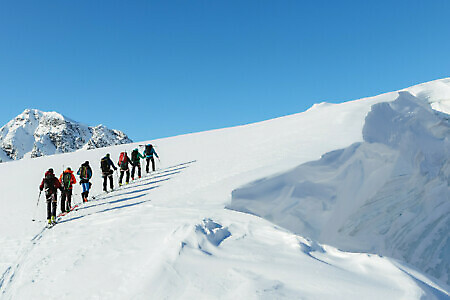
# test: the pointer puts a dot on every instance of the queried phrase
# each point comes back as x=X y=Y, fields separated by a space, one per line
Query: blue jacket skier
x=85 y=173
x=148 y=153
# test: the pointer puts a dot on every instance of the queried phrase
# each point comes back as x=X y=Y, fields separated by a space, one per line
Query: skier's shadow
x=111 y=208
x=119 y=200
x=138 y=185
x=172 y=171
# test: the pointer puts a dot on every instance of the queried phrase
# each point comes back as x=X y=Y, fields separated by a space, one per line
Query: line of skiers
x=66 y=180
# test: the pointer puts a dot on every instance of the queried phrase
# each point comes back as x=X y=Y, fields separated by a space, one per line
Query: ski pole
x=37 y=204
x=160 y=164
x=117 y=175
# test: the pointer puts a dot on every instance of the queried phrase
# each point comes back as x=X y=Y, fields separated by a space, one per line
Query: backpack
x=49 y=185
x=134 y=155
x=104 y=164
x=122 y=158
x=148 y=149
x=84 y=173
x=67 y=180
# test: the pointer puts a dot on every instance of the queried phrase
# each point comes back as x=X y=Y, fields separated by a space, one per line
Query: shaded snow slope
x=168 y=236
x=388 y=195
x=34 y=133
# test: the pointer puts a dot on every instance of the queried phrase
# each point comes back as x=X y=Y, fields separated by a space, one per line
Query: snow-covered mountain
x=34 y=133
x=380 y=190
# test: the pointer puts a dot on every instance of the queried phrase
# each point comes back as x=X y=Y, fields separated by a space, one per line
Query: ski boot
x=53 y=220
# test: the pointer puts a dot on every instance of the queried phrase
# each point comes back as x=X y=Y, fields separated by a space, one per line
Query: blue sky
x=162 y=68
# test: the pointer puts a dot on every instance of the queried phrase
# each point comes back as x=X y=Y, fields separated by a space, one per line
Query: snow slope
x=388 y=195
x=34 y=133
x=168 y=235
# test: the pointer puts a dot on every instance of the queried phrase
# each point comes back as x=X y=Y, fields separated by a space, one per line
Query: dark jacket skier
x=136 y=162
x=105 y=165
x=50 y=184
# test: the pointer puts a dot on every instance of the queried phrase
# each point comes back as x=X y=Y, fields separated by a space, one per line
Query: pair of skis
x=58 y=217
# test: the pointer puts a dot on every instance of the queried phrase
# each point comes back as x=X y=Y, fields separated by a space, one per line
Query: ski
x=66 y=212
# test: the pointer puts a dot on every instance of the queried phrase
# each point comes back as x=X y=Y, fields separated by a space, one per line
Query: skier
x=106 y=164
x=67 y=181
x=148 y=153
x=136 y=162
x=50 y=184
x=124 y=160
x=85 y=173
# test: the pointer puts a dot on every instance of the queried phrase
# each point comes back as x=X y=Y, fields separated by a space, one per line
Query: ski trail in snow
x=7 y=278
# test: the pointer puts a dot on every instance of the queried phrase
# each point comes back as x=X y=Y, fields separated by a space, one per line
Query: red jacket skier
x=67 y=180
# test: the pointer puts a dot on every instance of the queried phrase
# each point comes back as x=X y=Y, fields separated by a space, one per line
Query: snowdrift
x=387 y=195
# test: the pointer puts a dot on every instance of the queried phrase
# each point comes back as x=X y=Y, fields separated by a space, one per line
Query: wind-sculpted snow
x=34 y=133
x=387 y=195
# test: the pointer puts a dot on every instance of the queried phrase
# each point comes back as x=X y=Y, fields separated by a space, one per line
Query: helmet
x=107 y=154
x=135 y=149
x=69 y=169
x=86 y=162
x=50 y=170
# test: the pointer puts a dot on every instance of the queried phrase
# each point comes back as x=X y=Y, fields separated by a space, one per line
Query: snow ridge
x=387 y=195
x=34 y=133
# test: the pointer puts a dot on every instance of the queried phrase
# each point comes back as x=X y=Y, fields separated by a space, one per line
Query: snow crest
x=34 y=133
x=387 y=195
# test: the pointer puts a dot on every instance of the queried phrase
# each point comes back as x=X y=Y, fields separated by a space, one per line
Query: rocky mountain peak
x=35 y=133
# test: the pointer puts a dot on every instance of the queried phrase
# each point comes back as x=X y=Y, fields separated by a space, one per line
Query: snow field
x=171 y=238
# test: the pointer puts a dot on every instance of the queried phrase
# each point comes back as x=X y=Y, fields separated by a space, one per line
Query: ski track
x=7 y=278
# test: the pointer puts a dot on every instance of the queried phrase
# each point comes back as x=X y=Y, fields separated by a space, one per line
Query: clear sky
x=162 y=68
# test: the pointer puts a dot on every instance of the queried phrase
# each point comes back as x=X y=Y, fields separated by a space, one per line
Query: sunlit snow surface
x=169 y=236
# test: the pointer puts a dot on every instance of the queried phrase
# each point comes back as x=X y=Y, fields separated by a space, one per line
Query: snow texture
x=387 y=195
x=34 y=133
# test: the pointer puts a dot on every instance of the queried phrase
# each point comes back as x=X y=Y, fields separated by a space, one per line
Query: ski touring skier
x=123 y=163
x=148 y=153
x=50 y=184
x=105 y=165
x=85 y=173
x=67 y=180
x=136 y=162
